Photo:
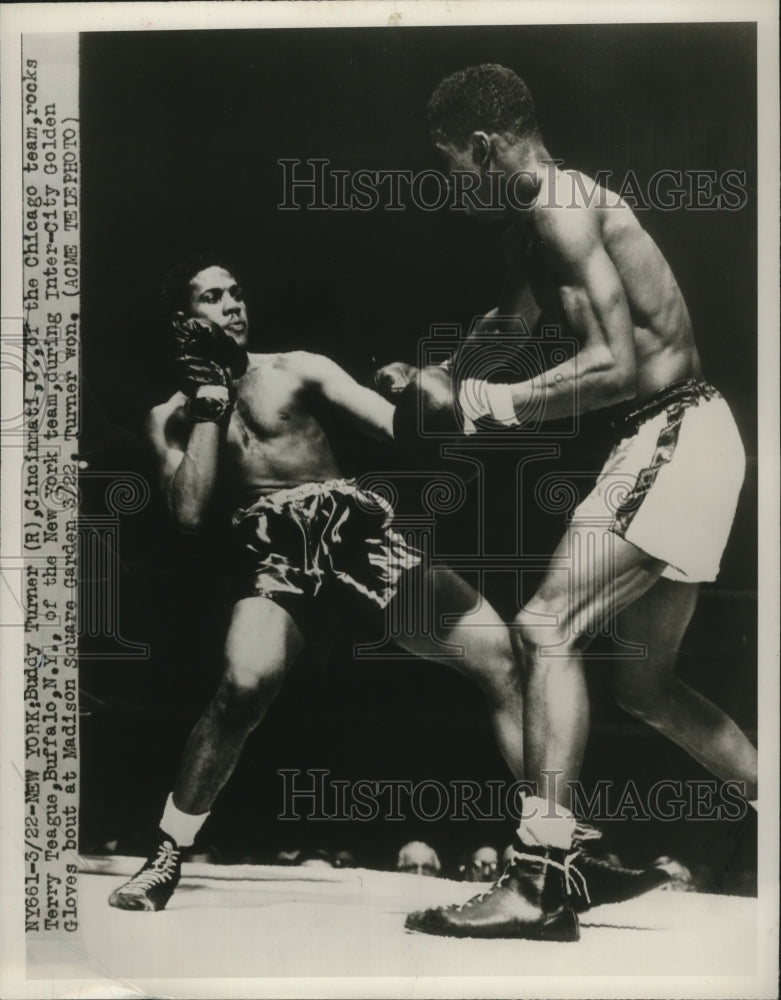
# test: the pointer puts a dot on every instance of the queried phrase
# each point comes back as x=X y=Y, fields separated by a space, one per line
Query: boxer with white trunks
x=674 y=474
x=657 y=521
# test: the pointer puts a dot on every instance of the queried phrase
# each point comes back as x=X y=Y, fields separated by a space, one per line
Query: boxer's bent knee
x=542 y=625
x=243 y=697
x=496 y=669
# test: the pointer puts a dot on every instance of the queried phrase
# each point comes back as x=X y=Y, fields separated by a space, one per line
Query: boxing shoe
x=153 y=884
x=530 y=900
x=601 y=881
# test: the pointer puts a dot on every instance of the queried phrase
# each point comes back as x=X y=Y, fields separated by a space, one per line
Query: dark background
x=181 y=134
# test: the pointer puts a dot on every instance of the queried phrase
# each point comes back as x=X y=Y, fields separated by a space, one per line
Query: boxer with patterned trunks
x=321 y=550
x=312 y=552
x=674 y=476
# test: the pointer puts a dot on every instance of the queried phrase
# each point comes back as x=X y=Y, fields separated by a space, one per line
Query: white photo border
x=23 y=18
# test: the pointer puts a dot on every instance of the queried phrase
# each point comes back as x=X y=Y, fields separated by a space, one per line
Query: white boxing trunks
x=670 y=485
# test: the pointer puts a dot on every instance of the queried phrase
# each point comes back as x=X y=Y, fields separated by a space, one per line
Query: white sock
x=182 y=826
x=546 y=824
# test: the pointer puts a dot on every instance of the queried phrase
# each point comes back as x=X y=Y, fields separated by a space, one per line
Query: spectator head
x=316 y=858
x=287 y=856
x=482 y=865
x=418 y=858
x=681 y=879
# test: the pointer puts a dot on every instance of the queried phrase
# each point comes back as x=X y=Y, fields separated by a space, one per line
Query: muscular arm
x=187 y=461
x=595 y=309
x=517 y=315
x=365 y=409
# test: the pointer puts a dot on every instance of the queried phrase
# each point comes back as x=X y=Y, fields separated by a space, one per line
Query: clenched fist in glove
x=391 y=380
x=207 y=361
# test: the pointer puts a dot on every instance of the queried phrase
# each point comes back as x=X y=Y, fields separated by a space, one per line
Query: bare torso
x=273 y=440
x=662 y=330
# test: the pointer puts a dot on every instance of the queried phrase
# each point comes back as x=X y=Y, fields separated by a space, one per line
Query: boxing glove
x=391 y=380
x=207 y=360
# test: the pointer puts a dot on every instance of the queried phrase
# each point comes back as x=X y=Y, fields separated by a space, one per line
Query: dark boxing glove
x=426 y=410
x=206 y=359
x=205 y=354
x=391 y=380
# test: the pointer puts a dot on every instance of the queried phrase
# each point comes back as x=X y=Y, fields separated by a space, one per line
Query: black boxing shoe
x=599 y=881
x=153 y=884
x=529 y=901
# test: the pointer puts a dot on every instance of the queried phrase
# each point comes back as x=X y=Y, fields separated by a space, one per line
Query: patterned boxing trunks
x=322 y=551
x=670 y=485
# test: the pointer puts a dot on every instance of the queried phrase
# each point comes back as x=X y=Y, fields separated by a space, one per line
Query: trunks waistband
x=627 y=419
x=307 y=491
x=304 y=491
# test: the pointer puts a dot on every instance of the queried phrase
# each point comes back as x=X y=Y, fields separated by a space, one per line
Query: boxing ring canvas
x=238 y=922
x=291 y=141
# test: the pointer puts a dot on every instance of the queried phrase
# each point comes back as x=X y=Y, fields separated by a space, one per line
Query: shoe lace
x=160 y=870
x=569 y=868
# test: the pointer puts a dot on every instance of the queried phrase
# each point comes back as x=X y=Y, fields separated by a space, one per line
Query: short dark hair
x=489 y=98
x=175 y=287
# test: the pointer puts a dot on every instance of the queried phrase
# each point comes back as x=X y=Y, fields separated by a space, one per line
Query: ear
x=482 y=149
